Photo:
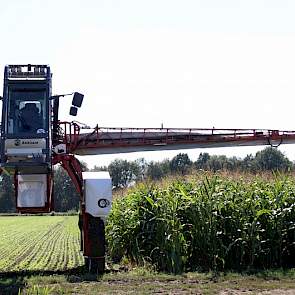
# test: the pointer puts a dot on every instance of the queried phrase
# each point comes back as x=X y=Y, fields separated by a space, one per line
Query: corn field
x=208 y=222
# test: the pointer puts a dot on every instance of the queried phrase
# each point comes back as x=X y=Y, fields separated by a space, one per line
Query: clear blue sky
x=227 y=64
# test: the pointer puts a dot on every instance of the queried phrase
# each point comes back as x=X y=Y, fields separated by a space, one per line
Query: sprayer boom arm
x=102 y=140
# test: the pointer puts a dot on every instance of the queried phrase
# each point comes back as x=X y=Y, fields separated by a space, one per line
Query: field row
x=39 y=243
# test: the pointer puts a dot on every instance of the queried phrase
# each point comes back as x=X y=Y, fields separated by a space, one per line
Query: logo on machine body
x=19 y=142
x=103 y=203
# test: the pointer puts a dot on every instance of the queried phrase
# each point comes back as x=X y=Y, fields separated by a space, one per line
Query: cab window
x=26 y=112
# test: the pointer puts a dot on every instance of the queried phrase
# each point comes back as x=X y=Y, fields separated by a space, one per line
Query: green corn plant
x=206 y=222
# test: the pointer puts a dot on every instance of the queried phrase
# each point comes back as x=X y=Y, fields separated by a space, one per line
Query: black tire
x=80 y=224
x=95 y=265
x=86 y=259
x=96 y=248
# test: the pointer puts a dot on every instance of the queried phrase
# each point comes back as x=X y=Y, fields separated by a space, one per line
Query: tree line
x=125 y=173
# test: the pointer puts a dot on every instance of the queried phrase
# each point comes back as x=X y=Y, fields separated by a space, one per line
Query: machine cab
x=25 y=130
x=26 y=134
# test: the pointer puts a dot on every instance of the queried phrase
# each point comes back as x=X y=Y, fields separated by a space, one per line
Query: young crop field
x=39 y=243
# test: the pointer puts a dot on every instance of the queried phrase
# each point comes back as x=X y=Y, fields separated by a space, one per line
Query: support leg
x=95 y=244
x=92 y=229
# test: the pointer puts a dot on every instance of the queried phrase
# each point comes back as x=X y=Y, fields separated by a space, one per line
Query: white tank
x=98 y=193
x=32 y=190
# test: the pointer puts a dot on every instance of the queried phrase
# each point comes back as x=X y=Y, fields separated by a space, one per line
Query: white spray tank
x=98 y=193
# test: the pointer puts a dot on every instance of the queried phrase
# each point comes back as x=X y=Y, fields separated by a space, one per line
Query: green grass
x=144 y=281
x=39 y=243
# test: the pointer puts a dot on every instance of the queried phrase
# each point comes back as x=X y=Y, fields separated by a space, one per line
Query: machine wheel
x=95 y=249
x=80 y=224
x=95 y=265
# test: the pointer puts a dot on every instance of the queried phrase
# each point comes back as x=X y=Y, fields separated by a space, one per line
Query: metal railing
x=112 y=137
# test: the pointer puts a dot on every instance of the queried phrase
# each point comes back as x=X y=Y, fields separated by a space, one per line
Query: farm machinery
x=34 y=139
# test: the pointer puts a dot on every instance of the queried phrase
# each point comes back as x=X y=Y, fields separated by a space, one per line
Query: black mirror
x=1 y=97
x=73 y=111
x=77 y=99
